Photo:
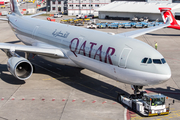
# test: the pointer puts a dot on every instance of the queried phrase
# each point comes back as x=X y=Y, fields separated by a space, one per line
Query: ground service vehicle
x=90 y=16
x=146 y=105
x=79 y=16
x=126 y=25
x=56 y=15
x=91 y=26
x=4 y=13
x=79 y=24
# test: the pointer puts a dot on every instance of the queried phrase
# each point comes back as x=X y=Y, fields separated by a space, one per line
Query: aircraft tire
x=119 y=98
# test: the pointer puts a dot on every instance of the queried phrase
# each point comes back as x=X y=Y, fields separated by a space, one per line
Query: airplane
x=166 y=12
x=118 y=56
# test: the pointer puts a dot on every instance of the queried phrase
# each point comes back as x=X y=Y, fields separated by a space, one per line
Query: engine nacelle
x=20 y=67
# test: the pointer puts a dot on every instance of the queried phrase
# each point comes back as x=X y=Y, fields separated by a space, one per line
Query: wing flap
x=53 y=52
x=140 y=32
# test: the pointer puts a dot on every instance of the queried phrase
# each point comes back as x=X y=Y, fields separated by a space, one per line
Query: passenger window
x=157 y=61
x=163 y=60
x=149 y=61
x=144 y=60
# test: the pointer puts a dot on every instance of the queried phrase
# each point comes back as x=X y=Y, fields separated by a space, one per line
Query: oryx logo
x=12 y=6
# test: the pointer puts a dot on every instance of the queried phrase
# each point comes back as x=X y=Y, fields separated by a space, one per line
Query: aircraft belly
x=135 y=77
x=93 y=65
x=26 y=40
x=128 y=76
x=60 y=61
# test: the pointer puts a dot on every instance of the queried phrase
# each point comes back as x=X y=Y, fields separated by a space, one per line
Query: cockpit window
x=157 y=61
x=149 y=61
x=144 y=60
x=163 y=60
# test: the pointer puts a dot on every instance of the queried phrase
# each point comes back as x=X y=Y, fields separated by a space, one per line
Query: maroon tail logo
x=12 y=6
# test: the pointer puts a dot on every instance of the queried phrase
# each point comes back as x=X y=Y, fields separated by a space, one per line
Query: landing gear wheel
x=119 y=98
x=136 y=88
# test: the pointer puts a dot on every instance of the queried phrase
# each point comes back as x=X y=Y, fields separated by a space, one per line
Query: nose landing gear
x=135 y=95
x=136 y=88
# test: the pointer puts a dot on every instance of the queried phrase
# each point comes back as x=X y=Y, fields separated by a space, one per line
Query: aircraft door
x=124 y=57
x=34 y=32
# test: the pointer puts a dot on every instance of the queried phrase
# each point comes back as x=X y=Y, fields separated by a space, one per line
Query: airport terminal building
x=114 y=9
x=56 y=6
x=74 y=7
x=85 y=6
x=128 y=9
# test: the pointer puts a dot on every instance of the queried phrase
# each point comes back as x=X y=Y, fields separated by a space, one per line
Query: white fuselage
x=113 y=56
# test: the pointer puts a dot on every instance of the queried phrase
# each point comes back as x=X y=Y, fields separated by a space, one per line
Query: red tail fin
x=166 y=12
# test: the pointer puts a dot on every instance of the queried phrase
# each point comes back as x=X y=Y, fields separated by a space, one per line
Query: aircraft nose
x=165 y=71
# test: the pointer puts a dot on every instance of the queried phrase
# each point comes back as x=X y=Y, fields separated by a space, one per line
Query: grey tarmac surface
x=56 y=92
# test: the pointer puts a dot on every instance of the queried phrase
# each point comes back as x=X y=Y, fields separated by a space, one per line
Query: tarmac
x=56 y=92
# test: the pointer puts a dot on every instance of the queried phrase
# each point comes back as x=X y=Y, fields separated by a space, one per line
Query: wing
x=37 y=14
x=51 y=52
x=137 y=33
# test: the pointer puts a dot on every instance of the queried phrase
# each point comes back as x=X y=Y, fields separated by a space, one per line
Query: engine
x=20 y=67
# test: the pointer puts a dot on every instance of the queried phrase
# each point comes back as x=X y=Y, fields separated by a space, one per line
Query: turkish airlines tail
x=166 y=12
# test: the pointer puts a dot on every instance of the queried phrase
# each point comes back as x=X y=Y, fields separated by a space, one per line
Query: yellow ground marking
x=104 y=87
x=117 y=92
x=96 y=91
x=47 y=79
x=172 y=115
x=56 y=78
x=75 y=81
x=82 y=85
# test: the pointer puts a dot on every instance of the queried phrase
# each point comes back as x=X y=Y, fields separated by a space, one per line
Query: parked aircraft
x=117 y=56
x=166 y=12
